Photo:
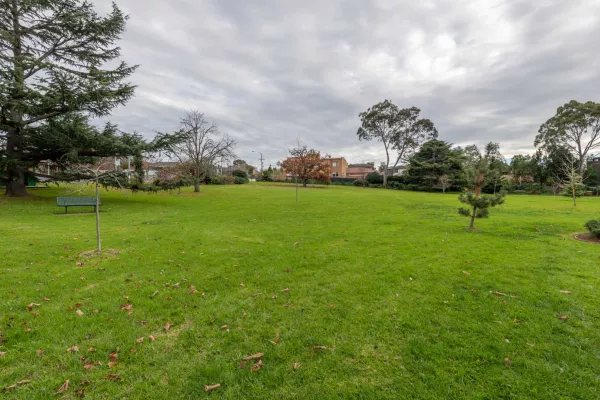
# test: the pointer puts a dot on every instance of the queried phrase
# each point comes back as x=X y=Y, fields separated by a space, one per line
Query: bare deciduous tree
x=572 y=182
x=198 y=144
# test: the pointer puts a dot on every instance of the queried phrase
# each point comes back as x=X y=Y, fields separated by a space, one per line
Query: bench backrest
x=76 y=201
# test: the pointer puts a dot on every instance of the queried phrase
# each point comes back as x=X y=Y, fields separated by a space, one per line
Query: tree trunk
x=304 y=183
x=574 y=197
x=495 y=183
x=473 y=218
x=15 y=183
x=196 y=187
x=98 y=241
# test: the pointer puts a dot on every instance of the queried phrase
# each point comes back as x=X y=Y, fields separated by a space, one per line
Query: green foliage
x=434 y=160
x=238 y=180
x=479 y=205
x=60 y=66
x=359 y=183
x=593 y=226
x=374 y=178
x=576 y=189
x=240 y=173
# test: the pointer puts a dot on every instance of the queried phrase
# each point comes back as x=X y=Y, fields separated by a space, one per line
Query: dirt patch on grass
x=586 y=237
x=92 y=253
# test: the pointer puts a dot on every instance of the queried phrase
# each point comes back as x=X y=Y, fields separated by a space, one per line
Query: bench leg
x=66 y=210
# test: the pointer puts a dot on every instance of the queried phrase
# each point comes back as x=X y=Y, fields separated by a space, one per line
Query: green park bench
x=79 y=201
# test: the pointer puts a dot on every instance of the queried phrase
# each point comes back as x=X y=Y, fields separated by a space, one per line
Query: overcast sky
x=270 y=71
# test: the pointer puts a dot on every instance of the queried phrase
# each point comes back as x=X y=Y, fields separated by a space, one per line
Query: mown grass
x=389 y=281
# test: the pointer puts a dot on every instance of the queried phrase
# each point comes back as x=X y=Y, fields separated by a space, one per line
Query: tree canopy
x=434 y=164
x=53 y=62
x=307 y=164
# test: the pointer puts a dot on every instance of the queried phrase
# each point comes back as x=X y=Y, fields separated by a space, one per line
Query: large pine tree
x=53 y=57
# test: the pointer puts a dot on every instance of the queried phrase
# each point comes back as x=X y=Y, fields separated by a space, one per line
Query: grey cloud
x=270 y=72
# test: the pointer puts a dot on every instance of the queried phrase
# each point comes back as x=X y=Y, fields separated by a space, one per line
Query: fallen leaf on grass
x=498 y=293
x=193 y=289
x=331 y=305
x=253 y=356
x=256 y=366
x=16 y=385
x=223 y=326
x=46 y=299
x=64 y=388
x=84 y=383
x=140 y=340
x=507 y=362
x=132 y=351
x=112 y=377
x=39 y=352
x=154 y=294
x=152 y=338
x=243 y=364
x=297 y=244
x=257 y=294
x=320 y=348
x=176 y=285
x=563 y=317
x=2 y=353
x=126 y=307
x=89 y=365
x=73 y=349
x=31 y=305
x=79 y=312
x=208 y=388
x=507 y=341
x=274 y=297
x=80 y=393
x=297 y=365
x=242 y=284
x=277 y=340
x=566 y=292
x=143 y=323
x=466 y=272
x=287 y=289
x=168 y=326
x=91 y=350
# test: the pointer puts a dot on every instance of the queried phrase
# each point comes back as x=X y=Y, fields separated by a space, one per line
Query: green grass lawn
x=389 y=281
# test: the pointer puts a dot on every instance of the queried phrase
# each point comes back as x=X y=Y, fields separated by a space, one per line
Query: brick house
x=338 y=166
x=360 y=171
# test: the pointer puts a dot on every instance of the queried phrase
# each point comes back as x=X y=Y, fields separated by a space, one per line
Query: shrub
x=238 y=180
x=397 y=185
x=239 y=173
x=593 y=226
x=588 y=193
x=374 y=179
x=519 y=192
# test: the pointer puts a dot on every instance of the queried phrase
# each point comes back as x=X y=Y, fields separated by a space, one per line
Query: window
x=335 y=174
x=335 y=163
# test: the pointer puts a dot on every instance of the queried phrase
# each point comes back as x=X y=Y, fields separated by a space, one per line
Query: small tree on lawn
x=476 y=168
x=573 y=181
x=305 y=164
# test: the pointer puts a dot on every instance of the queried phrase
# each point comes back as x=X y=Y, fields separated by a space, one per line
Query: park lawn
x=389 y=281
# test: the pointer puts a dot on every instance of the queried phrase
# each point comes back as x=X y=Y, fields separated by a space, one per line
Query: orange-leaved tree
x=306 y=164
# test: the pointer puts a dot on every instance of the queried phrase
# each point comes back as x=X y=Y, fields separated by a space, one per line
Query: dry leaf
x=132 y=351
x=563 y=317
x=154 y=294
x=113 y=356
x=208 y=388
x=256 y=294
x=331 y=305
x=84 y=383
x=2 y=353
x=320 y=347
x=274 y=297
x=507 y=341
x=243 y=364
x=64 y=388
x=176 y=285
x=31 y=305
x=112 y=377
x=89 y=365
x=80 y=393
x=152 y=338
x=140 y=340
x=297 y=244
x=91 y=350
x=498 y=294
x=566 y=292
x=126 y=307
x=16 y=385
x=277 y=340
x=223 y=326
x=79 y=312
x=143 y=323
x=256 y=366
x=297 y=365
x=287 y=289
x=245 y=314
x=168 y=326
x=193 y=289
x=46 y=299
x=112 y=364
x=39 y=352
x=73 y=349
x=253 y=357
x=507 y=361
x=242 y=284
